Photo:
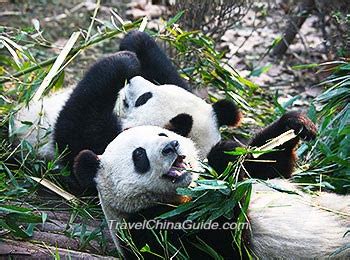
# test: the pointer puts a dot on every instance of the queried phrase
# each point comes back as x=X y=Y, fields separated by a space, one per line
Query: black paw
x=128 y=64
x=218 y=159
x=301 y=124
x=137 y=42
x=122 y=65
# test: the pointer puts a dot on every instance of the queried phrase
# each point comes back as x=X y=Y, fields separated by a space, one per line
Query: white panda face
x=143 y=103
x=144 y=164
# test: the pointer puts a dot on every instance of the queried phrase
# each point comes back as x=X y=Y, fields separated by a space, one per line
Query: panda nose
x=170 y=148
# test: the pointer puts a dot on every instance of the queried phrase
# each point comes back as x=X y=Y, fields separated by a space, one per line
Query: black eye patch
x=140 y=159
x=162 y=134
x=143 y=99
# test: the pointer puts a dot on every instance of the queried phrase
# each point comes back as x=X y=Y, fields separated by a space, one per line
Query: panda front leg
x=87 y=121
x=282 y=161
x=155 y=64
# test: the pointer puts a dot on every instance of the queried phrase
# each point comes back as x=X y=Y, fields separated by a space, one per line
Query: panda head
x=142 y=166
x=143 y=103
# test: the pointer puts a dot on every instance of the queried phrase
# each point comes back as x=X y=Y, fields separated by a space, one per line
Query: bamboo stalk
x=275 y=142
x=71 y=53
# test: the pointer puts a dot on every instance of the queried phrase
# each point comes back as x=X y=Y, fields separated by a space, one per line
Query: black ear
x=181 y=124
x=227 y=113
x=85 y=167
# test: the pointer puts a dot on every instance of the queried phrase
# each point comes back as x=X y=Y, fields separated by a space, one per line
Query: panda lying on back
x=84 y=118
x=140 y=170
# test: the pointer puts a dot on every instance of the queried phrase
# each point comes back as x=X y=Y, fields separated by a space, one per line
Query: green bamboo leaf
x=174 y=19
x=14 y=209
x=305 y=66
x=258 y=71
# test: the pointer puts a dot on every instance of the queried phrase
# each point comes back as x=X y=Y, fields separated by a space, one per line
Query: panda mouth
x=177 y=170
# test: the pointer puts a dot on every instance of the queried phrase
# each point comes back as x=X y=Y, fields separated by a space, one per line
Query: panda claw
x=301 y=124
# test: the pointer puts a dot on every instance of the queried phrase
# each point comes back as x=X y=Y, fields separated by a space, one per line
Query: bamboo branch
x=56 y=66
x=275 y=142
x=71 y=53
x=53 y=187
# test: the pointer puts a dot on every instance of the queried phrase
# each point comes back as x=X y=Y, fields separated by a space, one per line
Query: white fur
x=43 y=115
x=291 y=226
x=122 y=190
x=167 y=102
x=128 y=191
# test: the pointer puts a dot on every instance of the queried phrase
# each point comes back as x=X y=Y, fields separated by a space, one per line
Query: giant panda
x=140 y=170
x=85 y=117
x=151 y=92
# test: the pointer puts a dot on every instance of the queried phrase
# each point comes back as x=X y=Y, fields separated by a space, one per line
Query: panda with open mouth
x=151 y=92
x=84 y=123
x=140 y=170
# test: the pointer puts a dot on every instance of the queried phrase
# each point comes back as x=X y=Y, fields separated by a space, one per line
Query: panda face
x=134 y=95
x=148 y=163
x=143 y=103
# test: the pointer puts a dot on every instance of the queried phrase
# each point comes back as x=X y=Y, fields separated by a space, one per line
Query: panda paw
x=301 y=124
x=137 y=42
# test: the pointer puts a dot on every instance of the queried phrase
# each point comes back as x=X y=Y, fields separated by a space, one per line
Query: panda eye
x=162 y=134
x=143 y=99
x=138 y=153
x=140 y=159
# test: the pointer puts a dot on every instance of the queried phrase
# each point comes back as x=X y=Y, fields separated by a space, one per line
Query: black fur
x=218 y=159
x=181 y=124
x=284 y=158
x=155 y=64
x=141 y=161
x=87 y=120
x=227 y=113
x=143 y=99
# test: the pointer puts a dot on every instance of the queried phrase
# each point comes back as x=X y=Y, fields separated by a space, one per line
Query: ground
x=246 y=44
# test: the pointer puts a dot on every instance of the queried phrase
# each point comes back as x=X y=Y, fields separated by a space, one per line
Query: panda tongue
x=174 y=173
x=177 y=169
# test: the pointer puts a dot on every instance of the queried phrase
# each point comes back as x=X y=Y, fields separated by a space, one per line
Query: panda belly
x=297 y=226
x=43 y=115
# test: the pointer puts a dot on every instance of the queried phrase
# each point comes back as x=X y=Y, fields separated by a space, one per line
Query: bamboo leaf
x=56 y=66
x=53 y=187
